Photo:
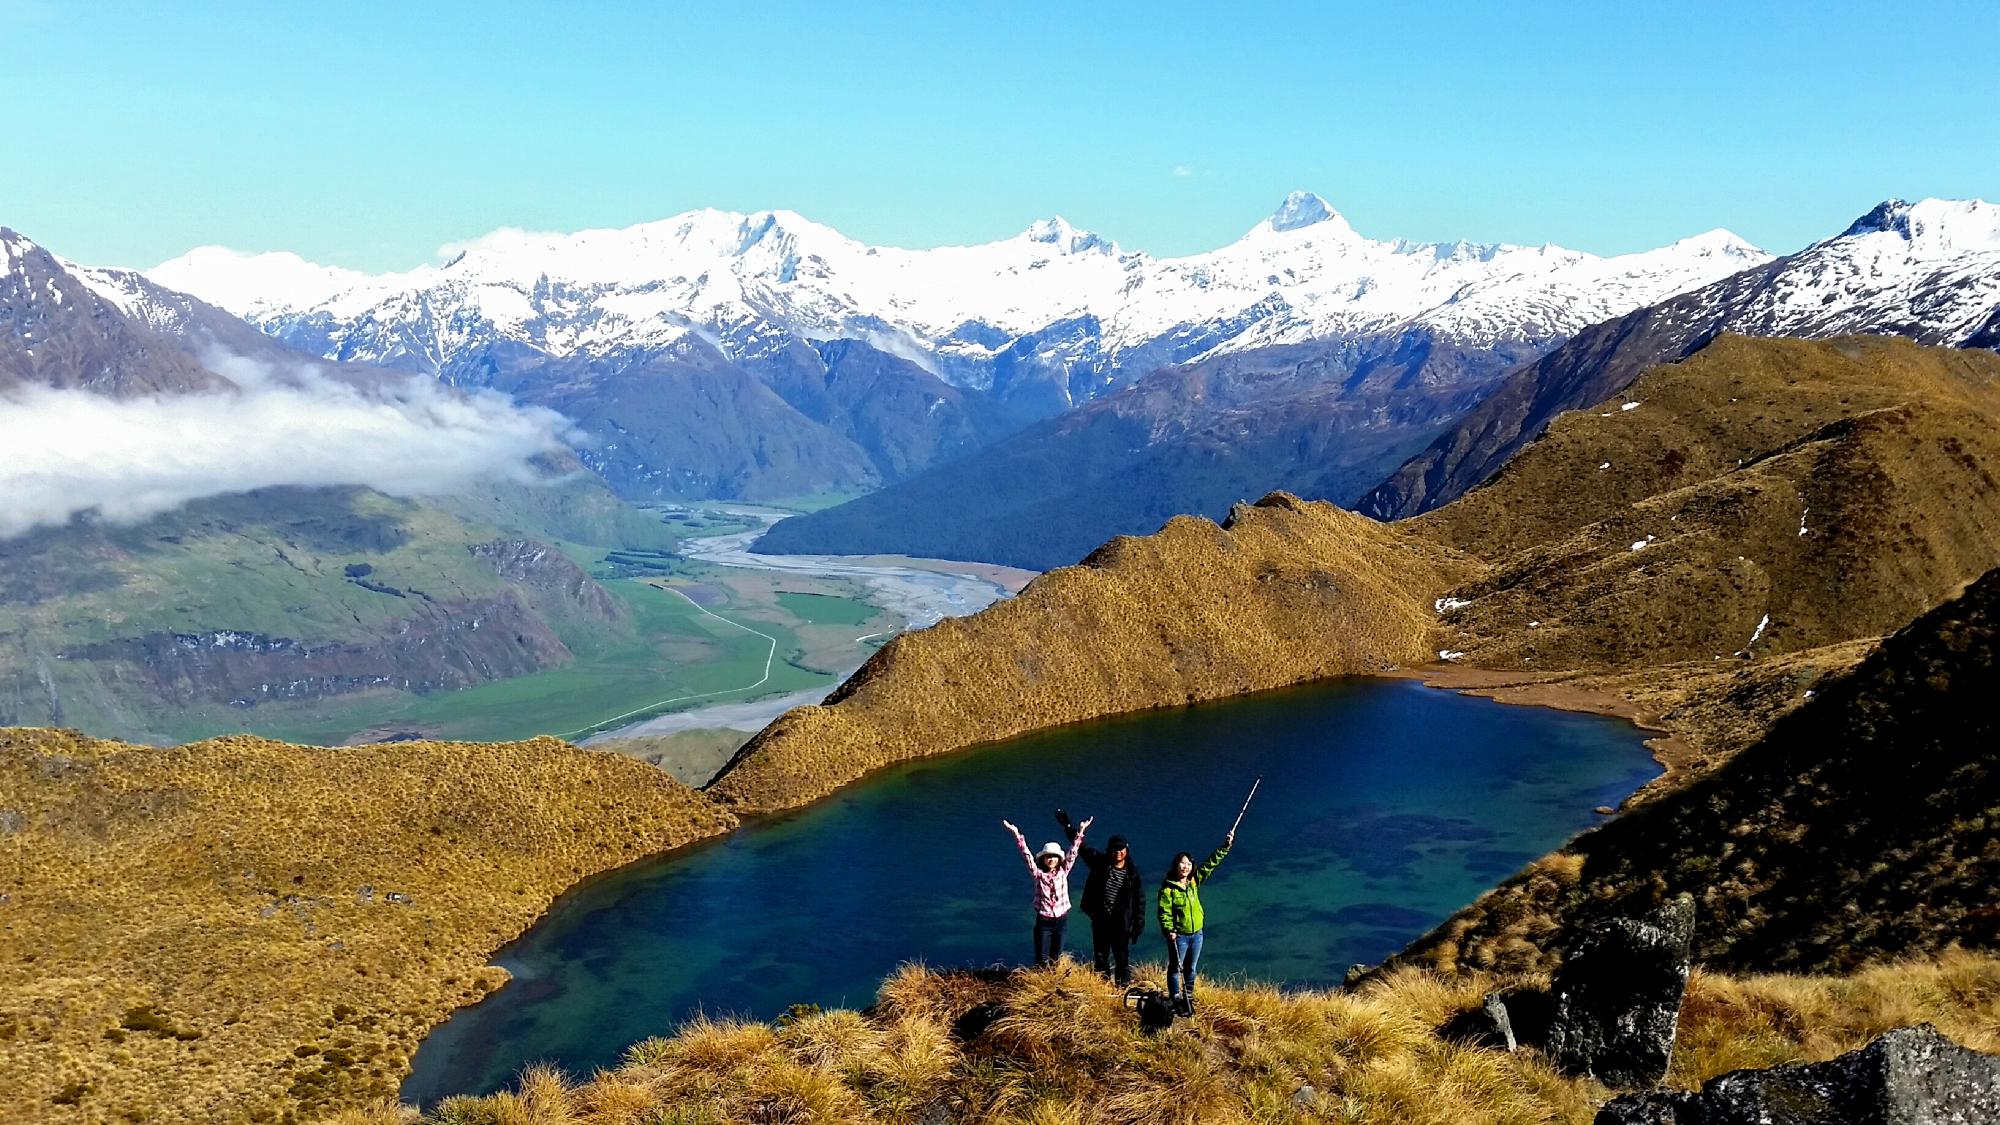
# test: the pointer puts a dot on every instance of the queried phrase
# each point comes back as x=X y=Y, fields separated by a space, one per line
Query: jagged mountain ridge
x=1053 y=312
x=1193 y=439
x=57 y=330
x=1344 y=415
x=1928 y=270
x=960 y=346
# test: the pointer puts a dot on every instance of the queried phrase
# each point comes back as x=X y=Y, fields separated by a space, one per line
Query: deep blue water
x=1385 y=806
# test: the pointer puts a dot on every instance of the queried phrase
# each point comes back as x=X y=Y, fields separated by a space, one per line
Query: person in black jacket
x=1114 y=901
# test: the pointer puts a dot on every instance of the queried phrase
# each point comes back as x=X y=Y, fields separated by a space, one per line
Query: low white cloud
x=1183 y=170
x=68 y=452
x=503 y=238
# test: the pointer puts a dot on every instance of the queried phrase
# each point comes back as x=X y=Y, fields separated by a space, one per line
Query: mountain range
x=760 y=355
x=1200 y=437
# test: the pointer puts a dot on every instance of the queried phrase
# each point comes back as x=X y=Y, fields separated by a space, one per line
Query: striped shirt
x=1114 y=883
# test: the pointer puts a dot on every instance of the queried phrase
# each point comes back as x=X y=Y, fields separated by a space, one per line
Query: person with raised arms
x=1181 y=920
x=1050 y=869
x=1113 y=900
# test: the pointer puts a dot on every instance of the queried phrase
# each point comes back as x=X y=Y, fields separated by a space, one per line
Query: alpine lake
x=1384 y=806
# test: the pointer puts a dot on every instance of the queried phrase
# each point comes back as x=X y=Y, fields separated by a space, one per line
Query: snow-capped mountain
x=1049 y=318
x=1928 y=270
x=60 y=328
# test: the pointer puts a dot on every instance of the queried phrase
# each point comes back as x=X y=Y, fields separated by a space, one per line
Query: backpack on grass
x=1156 y=1011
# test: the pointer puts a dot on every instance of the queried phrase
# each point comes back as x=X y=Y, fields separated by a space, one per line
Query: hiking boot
x=1189 y=1001
x=1183 y=1006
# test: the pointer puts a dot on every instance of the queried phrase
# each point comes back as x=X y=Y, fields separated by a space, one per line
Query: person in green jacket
x=1180 y=921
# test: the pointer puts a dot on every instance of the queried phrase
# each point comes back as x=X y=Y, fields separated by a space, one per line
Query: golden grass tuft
x=1067 y=1055
x=831 y=1041
x=1730 y=1023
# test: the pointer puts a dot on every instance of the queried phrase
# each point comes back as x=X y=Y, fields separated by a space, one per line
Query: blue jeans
x=1049 y=938
x=1182 y=954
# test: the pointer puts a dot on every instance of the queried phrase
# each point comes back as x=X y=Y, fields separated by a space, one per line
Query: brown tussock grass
x=243 y=929
x=1068 y=1054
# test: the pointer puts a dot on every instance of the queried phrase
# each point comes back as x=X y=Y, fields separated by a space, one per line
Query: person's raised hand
x=1010 y=826
x=1230 y=839
x=1087 y=822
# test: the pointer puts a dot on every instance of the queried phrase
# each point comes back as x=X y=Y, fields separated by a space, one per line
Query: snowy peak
x=1945 y=226
x=17 y=251
x=1057 y=232
x=1304 y=209
x=1719 y=242
x=1888 y=215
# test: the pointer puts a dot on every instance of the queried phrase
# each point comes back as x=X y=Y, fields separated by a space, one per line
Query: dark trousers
x=1112 y=947
x=1049 y=938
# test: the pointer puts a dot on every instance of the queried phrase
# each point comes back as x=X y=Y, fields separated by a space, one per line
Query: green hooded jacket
x=1180 y=908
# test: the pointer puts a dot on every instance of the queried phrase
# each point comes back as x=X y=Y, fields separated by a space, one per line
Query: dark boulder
x=1618 y=997
x=1530 y=1012
x=1910 y=1076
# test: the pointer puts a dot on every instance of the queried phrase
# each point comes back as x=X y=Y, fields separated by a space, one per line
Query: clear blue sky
x=368 y=135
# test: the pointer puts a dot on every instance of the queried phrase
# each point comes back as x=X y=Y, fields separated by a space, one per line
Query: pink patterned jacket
x=1051 y=887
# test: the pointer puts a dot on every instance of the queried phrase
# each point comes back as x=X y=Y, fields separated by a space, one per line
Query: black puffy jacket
x=1130 y=907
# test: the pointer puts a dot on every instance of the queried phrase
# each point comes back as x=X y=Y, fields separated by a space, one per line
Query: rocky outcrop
x=1618 y=997
x=439 y=646
x=548 y=573
x=1910 y=1076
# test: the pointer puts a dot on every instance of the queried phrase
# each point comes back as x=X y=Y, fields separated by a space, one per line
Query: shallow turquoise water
x=1385 y=806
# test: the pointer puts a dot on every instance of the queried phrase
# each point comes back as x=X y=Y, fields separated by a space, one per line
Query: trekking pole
x=1246 y=804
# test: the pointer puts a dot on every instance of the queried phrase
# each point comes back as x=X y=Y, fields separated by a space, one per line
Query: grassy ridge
x=1287 y=592
x=242 y=930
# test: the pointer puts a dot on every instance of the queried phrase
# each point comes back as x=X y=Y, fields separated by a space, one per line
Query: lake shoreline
x=1669 y=750
x=1560 y=692
x=1249 y=752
